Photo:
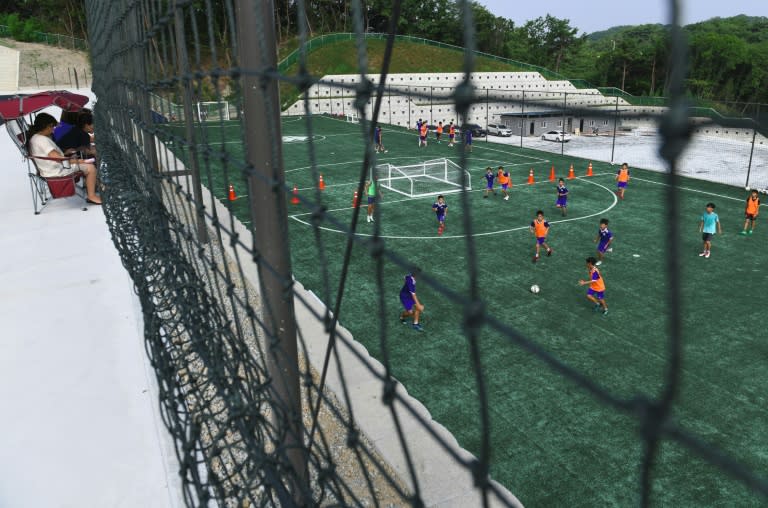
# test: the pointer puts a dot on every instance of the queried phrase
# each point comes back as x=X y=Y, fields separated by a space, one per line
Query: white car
x=498 y=129
x=559 y=136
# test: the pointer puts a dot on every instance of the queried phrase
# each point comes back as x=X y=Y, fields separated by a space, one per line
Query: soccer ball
x=535 y=289
x=746 y=188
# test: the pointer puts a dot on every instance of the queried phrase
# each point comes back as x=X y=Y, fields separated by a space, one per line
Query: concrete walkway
x=79 y=424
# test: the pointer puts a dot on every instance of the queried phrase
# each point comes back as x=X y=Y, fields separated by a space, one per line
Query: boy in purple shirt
x=489 y=177
x=604 y=238
x=441 y=210
x=562 y=197
x=411 y=304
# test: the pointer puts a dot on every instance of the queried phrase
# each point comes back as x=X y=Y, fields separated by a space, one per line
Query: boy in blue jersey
x=418 y=130
x=377 y=140
x=562 y=197
x=441 y=210
x=411 y=304
x=468 y=139
x=710 y=223
x=489 y=177
x=604 y=238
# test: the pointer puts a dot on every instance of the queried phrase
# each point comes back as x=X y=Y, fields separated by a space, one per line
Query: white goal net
x=212 y=111
x=429 y=178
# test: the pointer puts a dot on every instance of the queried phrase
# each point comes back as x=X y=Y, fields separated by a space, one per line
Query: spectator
x=66 y=123
x=54 y=162
x=79 y=138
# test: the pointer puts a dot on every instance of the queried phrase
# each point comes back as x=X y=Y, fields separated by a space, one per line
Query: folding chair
x=45 y=189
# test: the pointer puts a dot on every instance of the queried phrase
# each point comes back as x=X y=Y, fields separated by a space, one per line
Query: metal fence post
x=615 y=122
x=266 y=186
x=565 y=105
x=751 y=152
x=194 y=161
x=487 y=107
x=522 y=117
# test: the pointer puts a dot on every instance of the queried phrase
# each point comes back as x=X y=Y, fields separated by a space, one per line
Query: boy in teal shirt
x=710 y=223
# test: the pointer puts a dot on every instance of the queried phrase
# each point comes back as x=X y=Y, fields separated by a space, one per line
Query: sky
x=595 y=15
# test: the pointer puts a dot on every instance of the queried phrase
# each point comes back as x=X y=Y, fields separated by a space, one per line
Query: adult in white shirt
x=56 y=162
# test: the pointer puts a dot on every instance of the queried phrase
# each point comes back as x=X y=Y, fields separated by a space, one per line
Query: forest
x=727 y=56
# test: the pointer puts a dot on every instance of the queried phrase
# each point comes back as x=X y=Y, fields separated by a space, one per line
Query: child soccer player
x=371 y=190
x=596 y=291
x=418 y=130
x=468 y=139
x=604 y=238
x=441 y=210
x=503 y=177
x=710 y=223
x=423 y=135
x=562 y=197
x=750 y=214
x=489 y=176
x=439 y=131
x=377 y=140
x=451 y=134
x=411 y=304
x=540 y=228
x=622 y=178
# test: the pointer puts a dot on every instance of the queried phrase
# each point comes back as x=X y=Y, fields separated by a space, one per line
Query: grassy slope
x=407 y=57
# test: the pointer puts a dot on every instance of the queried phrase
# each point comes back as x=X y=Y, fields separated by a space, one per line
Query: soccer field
x=553 y=443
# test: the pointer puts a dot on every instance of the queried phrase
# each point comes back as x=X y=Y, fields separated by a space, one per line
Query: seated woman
x=40 y=144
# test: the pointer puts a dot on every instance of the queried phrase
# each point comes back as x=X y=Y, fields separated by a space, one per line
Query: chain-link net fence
x=245 y=356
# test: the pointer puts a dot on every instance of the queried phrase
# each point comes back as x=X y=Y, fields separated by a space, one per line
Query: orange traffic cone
x=232 y=195
x=571 y=173
x=295 y=198
x=355 y=201
x=589 y=169
x=552 y=174
x=321 y=184
x=530 y=177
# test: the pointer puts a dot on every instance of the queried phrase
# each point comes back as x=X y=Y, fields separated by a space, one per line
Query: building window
x=559 y=123
x=543 y=123
x=591 y=123
x=605 y=122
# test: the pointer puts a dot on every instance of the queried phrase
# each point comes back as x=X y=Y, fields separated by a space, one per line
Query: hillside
x=44 y=66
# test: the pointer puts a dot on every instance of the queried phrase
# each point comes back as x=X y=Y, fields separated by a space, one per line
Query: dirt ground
x=44 y=66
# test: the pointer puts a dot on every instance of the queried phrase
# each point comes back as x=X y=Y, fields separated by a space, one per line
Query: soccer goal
x=351 y=117
x=429 y=178
x=213 y=111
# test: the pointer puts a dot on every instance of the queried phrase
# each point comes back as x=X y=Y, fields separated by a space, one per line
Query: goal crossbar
x=428 y=178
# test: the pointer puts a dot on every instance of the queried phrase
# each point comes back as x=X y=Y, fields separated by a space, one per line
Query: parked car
x=560 y=136
x=477 y=131
x=498 y=129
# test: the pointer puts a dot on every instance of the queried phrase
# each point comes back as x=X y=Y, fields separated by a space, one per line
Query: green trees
x=633 y=59
x=728 y=56
x=21 y=30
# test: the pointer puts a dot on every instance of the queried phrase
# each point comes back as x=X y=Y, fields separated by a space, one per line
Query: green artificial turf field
x=553 y=444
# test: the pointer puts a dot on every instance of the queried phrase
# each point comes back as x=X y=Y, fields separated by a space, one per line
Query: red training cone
x=589 y=169
x=321 y=184
x=295 y=198
x=232 y=195
x=571 y=173
x=552 y=174
x=530 y=177
x=355 y=201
